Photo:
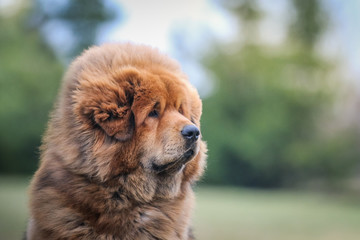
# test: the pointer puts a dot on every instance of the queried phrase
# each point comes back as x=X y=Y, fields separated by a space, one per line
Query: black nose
x=190 y=132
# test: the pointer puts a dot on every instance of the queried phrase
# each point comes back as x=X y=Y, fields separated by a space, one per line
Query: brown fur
x=99 y=176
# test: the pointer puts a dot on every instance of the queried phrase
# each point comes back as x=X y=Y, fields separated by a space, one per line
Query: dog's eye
x=154 y=114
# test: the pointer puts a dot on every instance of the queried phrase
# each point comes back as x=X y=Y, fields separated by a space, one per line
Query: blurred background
x=280 y=83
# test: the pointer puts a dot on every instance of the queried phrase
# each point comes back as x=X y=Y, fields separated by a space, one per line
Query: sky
x=345 y=40
x=152 y=22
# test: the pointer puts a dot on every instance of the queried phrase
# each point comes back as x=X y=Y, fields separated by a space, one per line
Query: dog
x=122 y=150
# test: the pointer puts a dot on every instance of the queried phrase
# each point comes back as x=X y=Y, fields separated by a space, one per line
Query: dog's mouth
x=176 y=165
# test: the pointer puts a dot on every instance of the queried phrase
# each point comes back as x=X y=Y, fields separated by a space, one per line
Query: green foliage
x=29 y=79
x=264 y=123
x=30 y=74
x=309 y=22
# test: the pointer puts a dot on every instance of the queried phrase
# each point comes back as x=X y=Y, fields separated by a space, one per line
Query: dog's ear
x=116 y=120
x=107 y=103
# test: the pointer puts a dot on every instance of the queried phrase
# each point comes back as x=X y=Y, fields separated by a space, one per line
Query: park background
x=281 y=108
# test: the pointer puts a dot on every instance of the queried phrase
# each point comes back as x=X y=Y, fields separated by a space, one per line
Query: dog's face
x=166 y=122
x=139 y=117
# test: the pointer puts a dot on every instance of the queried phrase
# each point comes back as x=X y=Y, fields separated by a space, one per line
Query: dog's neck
x=144 y=187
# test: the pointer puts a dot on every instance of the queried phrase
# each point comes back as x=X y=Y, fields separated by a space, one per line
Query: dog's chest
x=117 y=216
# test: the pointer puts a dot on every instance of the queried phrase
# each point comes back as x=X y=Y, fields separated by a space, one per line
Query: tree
x=308 y=24
x=263 y=122
x=83 y=19
x=29 y=78
x=30 y=73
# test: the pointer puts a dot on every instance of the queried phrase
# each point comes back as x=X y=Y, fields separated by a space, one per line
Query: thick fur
x=114 y=164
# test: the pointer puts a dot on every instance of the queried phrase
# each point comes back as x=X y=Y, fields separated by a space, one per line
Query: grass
x=13 y=207
x=230 y=213
x=225 y=213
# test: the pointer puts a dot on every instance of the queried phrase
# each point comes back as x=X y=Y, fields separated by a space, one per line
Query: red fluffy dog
x=122 y=148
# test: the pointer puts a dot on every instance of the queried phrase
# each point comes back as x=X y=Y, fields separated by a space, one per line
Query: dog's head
x=133 y=108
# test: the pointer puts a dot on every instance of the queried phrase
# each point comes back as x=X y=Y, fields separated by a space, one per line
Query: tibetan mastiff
x=121 y=152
